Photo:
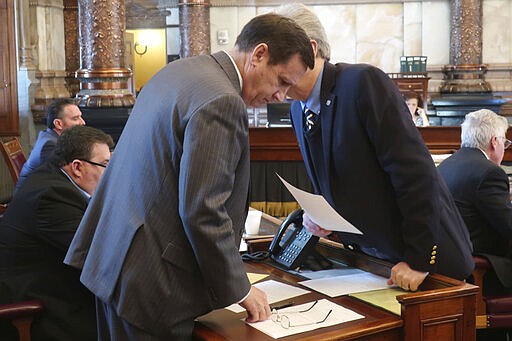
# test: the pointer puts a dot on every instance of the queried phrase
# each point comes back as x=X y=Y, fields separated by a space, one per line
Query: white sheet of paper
x=347 y=284
x=338 y=315
x=320 y=211
x=276 y=291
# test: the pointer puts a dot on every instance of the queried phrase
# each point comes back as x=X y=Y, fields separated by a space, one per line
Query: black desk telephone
x=292 y=243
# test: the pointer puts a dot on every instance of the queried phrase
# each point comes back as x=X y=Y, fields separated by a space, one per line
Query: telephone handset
x=292 y=243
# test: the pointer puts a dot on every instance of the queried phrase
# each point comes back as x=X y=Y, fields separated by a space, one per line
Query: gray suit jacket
x=159 y=240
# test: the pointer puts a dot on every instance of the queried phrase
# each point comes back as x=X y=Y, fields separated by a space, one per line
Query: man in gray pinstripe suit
x=158 y=245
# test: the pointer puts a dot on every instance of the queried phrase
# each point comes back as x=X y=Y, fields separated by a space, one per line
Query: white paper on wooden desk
x=276 y=291
x=319 y=210
x=338 y=315
x=348 y=284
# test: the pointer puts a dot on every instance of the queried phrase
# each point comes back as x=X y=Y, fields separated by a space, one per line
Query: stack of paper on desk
x=307 y=321
x=347 y=284
x=276 y=291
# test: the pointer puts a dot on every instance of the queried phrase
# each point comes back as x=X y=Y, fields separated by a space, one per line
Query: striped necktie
x=311 y=118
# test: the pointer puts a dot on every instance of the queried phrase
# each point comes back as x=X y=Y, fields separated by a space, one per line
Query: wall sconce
x=144 y=49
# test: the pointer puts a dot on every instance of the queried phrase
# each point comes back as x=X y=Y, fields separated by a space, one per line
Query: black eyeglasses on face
x=93 y=163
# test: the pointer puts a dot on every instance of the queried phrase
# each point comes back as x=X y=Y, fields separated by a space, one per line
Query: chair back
x=14 y=156
x=21 y=314
x=491 y=311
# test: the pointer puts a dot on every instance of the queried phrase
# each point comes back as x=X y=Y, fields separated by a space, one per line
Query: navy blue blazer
x=482 y=194
x=381 y=176
x=43 y=149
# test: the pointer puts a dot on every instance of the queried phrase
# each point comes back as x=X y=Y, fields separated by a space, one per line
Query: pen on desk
x=282 y=306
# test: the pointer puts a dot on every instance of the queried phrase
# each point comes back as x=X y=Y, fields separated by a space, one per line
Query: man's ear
x=259 y=53
x=76 y=169
x=494 y=143
x=314 y=45
x=57 y=123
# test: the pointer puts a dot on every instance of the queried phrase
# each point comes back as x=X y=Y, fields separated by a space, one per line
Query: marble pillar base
x=469 y=78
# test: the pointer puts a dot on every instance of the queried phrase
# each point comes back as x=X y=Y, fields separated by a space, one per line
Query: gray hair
x=480 y=126
x=310 y=23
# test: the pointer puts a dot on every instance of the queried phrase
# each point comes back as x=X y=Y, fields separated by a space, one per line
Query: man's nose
x=280 y=95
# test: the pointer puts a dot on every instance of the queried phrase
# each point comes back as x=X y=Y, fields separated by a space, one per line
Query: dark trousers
x=493 y=335
x=111 y=327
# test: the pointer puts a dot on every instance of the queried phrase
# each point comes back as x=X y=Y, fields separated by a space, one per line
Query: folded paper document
x=320 y=211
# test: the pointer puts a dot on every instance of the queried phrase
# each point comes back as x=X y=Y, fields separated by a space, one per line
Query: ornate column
x=466 y=72
x=464 y=88
x=72 y=48
x=102 y=74
x=194 y=27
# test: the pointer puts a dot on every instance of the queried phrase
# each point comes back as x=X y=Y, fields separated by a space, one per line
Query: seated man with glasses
x=481 y=191
x=35 y=233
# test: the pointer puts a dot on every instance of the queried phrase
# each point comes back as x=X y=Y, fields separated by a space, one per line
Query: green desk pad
x=383 y=298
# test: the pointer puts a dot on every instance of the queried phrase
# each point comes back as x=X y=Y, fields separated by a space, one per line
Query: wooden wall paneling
x=9 y=120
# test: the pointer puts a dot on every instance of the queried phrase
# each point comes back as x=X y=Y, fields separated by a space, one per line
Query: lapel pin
x=328 y=102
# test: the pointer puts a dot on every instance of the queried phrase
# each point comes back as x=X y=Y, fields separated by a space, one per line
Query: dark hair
x=55 y=109
x=412 y=95
x=77 y=143
x=282 y=35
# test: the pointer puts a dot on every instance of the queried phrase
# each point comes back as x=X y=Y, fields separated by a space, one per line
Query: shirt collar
x=485 y=154
x=86 y=195
x=313 y=101
x=240 y=80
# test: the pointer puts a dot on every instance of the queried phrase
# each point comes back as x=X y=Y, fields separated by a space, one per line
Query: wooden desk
x=416 y=82
x=280 y=144
x=444 y=310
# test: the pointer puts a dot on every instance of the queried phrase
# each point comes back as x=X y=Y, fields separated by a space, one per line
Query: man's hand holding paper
x=319 y=211
x=313 y=228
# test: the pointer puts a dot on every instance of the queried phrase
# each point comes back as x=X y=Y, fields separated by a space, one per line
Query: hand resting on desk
x=405 y=277
x=401 y=274
x=256 y=305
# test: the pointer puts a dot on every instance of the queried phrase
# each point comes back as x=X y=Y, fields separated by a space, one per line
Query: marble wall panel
x=339 y=22
x=436 y=32
x=496 y=31
x=382 y=32
x=43 y=38
x=379 y=29
x=50 y=32
x=58 y=53
x=412 y=16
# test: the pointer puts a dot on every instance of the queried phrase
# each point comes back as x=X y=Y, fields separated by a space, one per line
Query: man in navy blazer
x=365 y=156
x=481 y=191
x=61 y=114
x=37 y=228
